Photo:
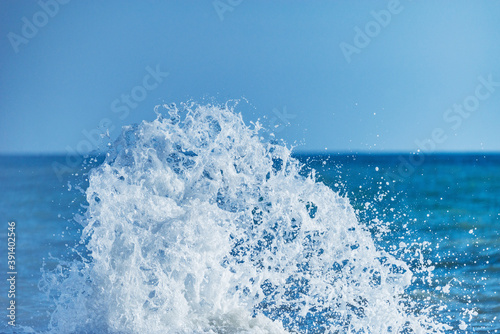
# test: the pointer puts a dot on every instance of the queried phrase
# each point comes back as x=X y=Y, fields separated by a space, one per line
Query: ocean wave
x=195 y=224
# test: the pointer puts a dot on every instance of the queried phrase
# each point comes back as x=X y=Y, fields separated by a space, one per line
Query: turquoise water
x=451 y=201
x=442 y=202
x=441 y=217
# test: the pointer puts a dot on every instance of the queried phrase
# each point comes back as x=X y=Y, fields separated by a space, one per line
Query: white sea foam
x=195 y=225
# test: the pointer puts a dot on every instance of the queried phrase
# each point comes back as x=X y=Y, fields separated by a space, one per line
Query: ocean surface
x=194 y=224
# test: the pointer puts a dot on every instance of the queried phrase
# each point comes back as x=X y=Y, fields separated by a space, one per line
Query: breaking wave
x=194 y=224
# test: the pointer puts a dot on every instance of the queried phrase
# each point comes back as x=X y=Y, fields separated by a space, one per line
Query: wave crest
x=194 y=224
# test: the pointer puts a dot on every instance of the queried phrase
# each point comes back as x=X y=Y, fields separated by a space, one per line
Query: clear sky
x=353 y=76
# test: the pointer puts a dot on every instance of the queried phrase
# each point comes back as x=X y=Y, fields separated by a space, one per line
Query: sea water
x=194 y=223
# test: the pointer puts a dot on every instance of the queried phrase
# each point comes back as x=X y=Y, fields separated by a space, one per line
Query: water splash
x=194 y=225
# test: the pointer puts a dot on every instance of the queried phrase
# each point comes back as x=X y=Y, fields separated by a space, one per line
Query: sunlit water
x=195 y=224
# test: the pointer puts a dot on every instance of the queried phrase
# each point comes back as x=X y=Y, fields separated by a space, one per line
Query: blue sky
x=355 y=76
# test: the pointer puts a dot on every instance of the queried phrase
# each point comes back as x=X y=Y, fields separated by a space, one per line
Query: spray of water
x=195 y=225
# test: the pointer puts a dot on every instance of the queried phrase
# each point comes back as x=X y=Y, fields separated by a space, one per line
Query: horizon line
x=294 y=152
